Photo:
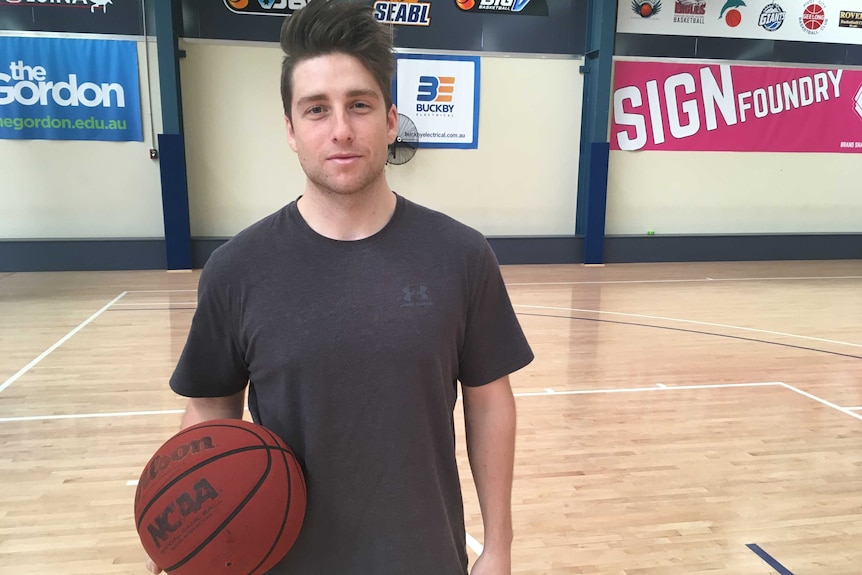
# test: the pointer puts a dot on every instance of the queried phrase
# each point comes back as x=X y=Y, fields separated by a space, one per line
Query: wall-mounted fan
x=404 y=147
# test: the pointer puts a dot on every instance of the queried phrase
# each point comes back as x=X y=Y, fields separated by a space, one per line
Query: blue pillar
x=172 y=162
x=595 y=149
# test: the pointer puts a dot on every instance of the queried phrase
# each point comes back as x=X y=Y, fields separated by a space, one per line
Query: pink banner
x=728 y=108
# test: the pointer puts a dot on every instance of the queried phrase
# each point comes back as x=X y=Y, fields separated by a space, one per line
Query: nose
x=342 y=130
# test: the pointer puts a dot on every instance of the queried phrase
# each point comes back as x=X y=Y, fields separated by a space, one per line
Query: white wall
x=521 y=181
x=733 y=193
x=76 y=189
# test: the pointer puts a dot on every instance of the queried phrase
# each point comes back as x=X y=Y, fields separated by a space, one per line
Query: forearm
x=200 y=409
x=490 y=427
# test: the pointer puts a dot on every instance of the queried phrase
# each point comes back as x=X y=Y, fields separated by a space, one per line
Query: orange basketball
x=223 y=497
x=465 y=4
x=238 y=4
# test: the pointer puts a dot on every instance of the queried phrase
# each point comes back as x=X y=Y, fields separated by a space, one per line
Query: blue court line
x=769 y=559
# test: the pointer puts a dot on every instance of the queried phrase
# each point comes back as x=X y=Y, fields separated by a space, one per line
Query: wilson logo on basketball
x=185 y=505
x=161 y=462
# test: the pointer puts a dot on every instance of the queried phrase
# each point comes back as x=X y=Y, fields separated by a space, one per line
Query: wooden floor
x=675 y=415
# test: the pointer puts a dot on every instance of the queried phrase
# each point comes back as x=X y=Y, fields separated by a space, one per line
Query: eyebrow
x=323 y=97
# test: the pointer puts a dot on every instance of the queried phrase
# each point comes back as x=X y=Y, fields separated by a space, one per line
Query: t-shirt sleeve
x=212 y=363
x=494 y=343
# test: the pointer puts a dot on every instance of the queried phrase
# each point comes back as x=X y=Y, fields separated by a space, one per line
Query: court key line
x=63 y=340
x=691 y=280
x=547 y=392
x=691 y=321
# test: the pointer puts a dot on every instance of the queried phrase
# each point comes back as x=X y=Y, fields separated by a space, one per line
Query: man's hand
x=152 y=567
x=493 y=564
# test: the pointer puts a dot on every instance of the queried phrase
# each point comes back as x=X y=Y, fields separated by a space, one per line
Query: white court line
x=691 y=321
x=89 y=415
x=159 y=290
x=132 y=482
x=156 y=303
x=637 y=389
x=474 y=545
x=683 y=281
x=661 y=385
x=824 y=402
x=854 y=408
x=65 y=338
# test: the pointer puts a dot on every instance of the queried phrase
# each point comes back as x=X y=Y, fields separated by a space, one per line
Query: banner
x=832 y=21
x=64 y=89
x=705 y=107
x=123 y=17
x=441 y=95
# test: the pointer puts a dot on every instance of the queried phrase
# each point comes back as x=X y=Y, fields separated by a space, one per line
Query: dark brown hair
x=332 y=27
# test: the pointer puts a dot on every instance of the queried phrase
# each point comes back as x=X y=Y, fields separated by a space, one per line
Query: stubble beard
x=330 y=186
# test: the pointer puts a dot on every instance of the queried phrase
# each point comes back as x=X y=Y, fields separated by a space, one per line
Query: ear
x=392 y=124
x=291 y=135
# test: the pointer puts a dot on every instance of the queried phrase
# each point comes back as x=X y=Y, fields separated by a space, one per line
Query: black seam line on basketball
x=197 y=466
x=285 y=515
x=186 y=431
x=766 y=341
x=228 y=519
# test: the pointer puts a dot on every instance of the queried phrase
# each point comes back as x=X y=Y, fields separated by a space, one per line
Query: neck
x=347 y=217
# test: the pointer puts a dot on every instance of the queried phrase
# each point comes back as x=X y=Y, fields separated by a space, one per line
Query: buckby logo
x=406 y=13
x=436 y=88
x=265 y=7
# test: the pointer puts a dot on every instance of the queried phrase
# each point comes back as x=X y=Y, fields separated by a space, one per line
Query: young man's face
x=340 y=127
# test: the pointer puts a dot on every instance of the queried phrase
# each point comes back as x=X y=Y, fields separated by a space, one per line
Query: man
x=350 y=315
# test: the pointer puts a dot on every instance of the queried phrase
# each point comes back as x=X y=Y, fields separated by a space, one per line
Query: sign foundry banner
x=65 y=89
x=706 y=107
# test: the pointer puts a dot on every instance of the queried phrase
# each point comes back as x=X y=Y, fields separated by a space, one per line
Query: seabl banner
x=706 y=107
x=66 y=89
x=441 y=95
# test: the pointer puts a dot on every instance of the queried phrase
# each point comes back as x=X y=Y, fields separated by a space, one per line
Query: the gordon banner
x=722 y=107
x=69 y=89
x=441 y=95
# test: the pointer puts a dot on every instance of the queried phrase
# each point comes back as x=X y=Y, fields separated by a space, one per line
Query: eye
x=362 y=106
x=315 y=110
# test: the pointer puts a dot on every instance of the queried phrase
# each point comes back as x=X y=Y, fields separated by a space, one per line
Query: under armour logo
x=415 y=295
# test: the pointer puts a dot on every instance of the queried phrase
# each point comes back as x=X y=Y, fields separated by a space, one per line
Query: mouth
x=343 y=158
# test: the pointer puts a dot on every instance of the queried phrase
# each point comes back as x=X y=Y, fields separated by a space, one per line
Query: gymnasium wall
x=724 y=193
x=522 y=180
x=86 y=189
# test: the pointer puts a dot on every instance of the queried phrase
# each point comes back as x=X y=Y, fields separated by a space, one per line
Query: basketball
x=220 y=497
x=465 y=4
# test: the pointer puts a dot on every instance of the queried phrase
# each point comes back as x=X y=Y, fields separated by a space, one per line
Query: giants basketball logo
x=186 y=504
x=161 y=462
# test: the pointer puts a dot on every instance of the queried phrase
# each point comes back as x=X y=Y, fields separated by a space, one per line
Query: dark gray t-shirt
x=352 y=351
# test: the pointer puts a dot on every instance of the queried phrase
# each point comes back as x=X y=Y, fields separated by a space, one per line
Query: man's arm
x=200 y=409
x=489 y=415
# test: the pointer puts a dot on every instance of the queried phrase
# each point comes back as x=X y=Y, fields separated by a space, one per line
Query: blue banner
x=65 y=89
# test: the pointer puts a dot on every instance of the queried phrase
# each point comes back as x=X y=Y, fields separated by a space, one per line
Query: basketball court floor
x=678 y=418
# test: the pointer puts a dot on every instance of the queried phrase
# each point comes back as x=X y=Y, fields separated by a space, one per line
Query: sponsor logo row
x=399 y=12
x=812 y=17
